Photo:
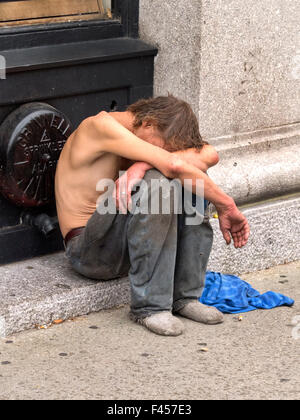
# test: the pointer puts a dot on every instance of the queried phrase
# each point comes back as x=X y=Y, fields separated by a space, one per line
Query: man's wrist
x=144 y=165
x=225 y=203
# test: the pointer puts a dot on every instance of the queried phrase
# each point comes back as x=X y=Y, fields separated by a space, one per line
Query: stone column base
x=258 y=165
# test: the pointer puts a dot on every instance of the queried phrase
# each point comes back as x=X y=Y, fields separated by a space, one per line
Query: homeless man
x=155 y=139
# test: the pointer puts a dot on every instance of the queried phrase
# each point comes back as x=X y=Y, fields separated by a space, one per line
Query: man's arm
x=202 y=159
x=110 y=136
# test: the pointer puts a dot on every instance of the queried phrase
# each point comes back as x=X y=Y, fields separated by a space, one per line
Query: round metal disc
x=31 y=140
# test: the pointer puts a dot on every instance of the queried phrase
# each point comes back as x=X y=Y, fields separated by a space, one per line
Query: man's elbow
x=212 y=158
x=215 y=158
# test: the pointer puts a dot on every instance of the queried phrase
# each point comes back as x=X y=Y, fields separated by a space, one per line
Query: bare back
x=75 y=185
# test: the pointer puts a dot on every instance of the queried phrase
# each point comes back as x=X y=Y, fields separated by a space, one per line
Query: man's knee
x=163 y=195
x=154 y=174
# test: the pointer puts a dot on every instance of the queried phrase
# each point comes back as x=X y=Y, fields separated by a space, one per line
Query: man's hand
x=126 y=183
x=234 y=224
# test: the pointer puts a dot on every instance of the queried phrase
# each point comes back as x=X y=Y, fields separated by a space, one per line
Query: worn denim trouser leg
x=152 y=243
x=164 y=268
x=194 y=247
x=101 y=251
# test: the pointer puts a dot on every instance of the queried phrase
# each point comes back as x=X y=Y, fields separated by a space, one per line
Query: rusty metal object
x=31 y=140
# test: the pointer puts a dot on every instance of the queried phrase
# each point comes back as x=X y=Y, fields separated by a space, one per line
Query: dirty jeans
x=166 y=259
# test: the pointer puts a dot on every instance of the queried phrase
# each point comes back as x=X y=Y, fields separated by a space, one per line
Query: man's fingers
x=245 y=234
x=116 y=194
x=121 y=196
x=241 y=239
x=129 y=201
x=236 y=240
x=242 y=236
x=226 y=236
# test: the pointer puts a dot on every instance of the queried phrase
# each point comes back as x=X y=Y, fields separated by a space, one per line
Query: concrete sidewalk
x=106 y=356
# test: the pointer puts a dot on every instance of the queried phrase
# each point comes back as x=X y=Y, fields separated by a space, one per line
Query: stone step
x=274 y=240
x=38 y=291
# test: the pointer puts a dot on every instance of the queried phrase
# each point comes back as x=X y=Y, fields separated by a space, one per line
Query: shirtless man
x=166 y=259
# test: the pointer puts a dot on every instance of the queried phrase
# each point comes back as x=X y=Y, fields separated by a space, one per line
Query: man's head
x=166 y=122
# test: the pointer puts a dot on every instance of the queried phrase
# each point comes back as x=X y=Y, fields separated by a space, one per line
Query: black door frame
x=124 y=24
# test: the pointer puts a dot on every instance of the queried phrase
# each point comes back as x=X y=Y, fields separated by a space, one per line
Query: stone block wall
x=238 y=64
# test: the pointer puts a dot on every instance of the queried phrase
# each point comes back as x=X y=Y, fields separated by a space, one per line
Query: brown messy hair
x=174 y=118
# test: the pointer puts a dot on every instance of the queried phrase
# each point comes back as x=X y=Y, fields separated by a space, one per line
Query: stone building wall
x=238 y=64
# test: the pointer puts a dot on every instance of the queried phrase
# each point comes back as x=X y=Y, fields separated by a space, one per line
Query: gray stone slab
x=261 y=140
x=238 y=66
x=250 y=76
x=41 y=290
x=173 y=26
x=260 y=167
x=274 y=240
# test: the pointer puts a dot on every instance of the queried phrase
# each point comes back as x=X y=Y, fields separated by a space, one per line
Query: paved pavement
x=106 y=356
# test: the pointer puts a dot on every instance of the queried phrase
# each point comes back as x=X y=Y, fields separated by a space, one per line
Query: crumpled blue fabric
x=231 y=295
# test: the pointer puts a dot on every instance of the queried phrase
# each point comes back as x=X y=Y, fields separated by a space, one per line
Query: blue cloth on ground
x=232 y=295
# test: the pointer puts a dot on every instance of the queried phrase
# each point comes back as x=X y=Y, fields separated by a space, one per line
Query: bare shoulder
x=104 y=124
x=94 y=128
x=87 y=140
